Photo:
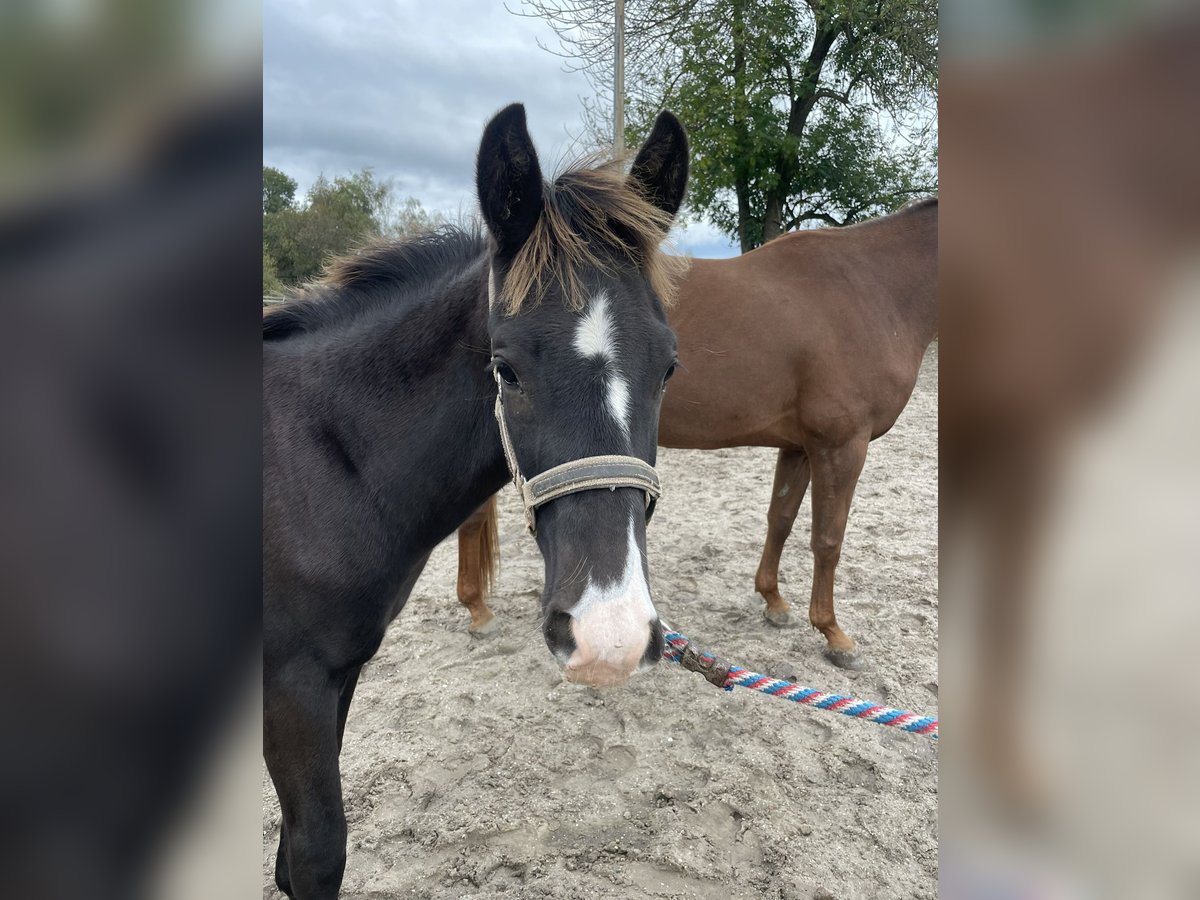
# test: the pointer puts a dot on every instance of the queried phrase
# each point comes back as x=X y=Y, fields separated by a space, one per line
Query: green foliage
x=279 y=191
x=272 y=286
x=797 y=111
x=337 y=216
x=407 y=218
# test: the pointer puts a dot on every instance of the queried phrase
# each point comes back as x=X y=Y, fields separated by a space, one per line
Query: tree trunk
x=744 y=214
x=773 y=218
x=741 y=173
x=802 y=107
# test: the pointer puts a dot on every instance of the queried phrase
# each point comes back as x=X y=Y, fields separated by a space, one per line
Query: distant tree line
x=299 y=237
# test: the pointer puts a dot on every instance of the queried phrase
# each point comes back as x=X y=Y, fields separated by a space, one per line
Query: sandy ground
x=470 y=769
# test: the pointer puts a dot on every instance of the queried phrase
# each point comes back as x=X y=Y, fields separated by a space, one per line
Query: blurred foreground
x=129 y=467
x=1070 y=479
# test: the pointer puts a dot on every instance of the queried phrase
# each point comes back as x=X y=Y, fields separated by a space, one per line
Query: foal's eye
x=670 y=371
x=506 y=373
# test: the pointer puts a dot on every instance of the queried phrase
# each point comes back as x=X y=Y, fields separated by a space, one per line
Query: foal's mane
x=370 y=278
x=591 y=214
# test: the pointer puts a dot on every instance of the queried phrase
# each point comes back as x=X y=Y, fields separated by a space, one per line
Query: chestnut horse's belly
x=755 y=400
x=700 y=413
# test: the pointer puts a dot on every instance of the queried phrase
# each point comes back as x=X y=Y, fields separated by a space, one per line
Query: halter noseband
x=586 y=474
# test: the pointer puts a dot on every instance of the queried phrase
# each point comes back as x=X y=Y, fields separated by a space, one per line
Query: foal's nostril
x=559 y=638
x=654 y=647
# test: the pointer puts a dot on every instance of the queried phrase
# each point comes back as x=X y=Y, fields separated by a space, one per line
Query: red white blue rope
x=840 y=703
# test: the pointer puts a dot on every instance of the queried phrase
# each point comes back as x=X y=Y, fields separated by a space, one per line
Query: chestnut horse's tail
x=489 y=548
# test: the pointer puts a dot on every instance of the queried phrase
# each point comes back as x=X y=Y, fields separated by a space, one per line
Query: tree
x=279 y=191
x=336 y=216
x=271 y=283
x=798 y=110
x=406 y=218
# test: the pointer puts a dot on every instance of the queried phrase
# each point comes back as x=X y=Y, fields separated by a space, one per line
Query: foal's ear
x=509 y=179
x=660 y=170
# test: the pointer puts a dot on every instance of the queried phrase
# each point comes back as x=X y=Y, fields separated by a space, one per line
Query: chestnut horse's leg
x=1016 y=491
x=301 y=712
x=791 y=481
x=835 y=472
x=476 y=566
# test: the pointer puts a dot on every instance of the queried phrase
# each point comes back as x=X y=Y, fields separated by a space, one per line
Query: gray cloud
x=405 y=88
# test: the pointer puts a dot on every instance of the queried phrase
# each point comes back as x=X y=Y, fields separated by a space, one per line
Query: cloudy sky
x=405 y=87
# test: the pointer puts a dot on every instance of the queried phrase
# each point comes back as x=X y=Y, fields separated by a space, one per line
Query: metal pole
x=619 y=84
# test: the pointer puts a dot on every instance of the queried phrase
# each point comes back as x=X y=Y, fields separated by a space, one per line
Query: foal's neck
x=431 y=445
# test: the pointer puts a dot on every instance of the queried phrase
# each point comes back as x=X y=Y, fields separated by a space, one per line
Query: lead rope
x=727 y=676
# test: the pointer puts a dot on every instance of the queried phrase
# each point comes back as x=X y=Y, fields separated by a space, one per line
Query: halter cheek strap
x=587 y=474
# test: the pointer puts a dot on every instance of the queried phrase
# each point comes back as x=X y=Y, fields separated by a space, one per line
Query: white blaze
x=596 y=338
x=611 y=621
x=618 y=402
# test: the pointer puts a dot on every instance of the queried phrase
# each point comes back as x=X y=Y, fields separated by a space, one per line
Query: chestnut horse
x=812 y=344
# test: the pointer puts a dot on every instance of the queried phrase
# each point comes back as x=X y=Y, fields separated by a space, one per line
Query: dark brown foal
x=811 y=344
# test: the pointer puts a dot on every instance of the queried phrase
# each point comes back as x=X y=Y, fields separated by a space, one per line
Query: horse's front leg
x=1016 y=491
x=301 y=712
x=791 y=481
x=835 y=472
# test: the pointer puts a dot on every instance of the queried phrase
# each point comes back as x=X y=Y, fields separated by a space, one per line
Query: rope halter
x=587 y=474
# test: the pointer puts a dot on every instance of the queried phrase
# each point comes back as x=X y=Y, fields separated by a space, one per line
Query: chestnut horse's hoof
x=483 y=629
x=780 y=618
x=845 y=659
